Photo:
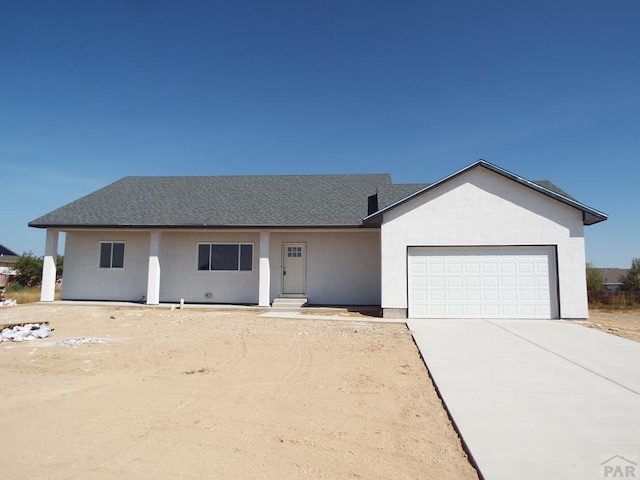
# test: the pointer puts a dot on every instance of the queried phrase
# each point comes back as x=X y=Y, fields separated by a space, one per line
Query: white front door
x=294 y=266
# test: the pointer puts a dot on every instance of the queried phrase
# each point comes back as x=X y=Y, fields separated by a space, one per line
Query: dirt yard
x=624 y=323
x=154 y=394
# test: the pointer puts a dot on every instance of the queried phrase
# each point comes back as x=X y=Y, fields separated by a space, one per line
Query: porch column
x=48 y=288
x=265 y=271
x=153 y=277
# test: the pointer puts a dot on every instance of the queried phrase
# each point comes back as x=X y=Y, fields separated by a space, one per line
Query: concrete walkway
x=326 y=315
x=538 y=399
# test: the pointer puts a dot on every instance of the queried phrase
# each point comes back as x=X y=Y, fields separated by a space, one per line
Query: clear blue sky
x=91 y=91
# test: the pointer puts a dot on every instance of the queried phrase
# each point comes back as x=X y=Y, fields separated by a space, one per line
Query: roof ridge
x=379 y=174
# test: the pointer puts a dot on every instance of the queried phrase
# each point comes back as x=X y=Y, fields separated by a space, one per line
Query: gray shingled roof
x=251 y=201
x=284 y=200
x=392 y=193
x=613 y=275
x=554 y=188
x=4 y=251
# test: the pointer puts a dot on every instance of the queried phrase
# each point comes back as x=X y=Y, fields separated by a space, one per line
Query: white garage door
x=482 y=282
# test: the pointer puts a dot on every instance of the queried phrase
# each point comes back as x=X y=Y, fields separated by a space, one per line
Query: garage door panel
x=490 y=311
x=419 y=267
x=490 y=281
x=472 y=267
x=420 y=281
x=482 y=282
x=454 y=295
x=509 y=296
x=473 y=310
x=508 y=267
x=472 y=281
x=471 y=296
x=418 y=297
x=438 y=296
x=542 y=268
x=489 y=267
x=508 y=282
x=490 y=296
x=527 y=281
x=528 y=296
x=436 y=268
x=526 y=267
x=527 y=310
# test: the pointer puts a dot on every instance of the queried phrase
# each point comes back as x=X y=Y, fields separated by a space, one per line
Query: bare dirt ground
x=218 y=394
x=624 y=323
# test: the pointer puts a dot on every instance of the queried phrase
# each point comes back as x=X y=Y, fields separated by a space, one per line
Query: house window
x=111 y=255
x=225 y=256
x=294 y=251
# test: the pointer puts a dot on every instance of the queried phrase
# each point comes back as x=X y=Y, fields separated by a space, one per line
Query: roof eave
x=591 y=219
x=61 y=226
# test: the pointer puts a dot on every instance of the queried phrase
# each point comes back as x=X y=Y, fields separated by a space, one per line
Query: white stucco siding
x=572 y=278
x=482 y=208
x=85 y=280
x=343 y=268
x=180 y=277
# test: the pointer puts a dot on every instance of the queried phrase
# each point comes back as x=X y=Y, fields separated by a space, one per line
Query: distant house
x=7 y=260
x=480 y=243
x=612 y=278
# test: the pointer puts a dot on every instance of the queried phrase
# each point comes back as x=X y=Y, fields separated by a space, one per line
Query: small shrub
x=619 y=300
x=615 y=300
x=29 y=269
x=14 y=287
x=631 y=282
x=594 y=279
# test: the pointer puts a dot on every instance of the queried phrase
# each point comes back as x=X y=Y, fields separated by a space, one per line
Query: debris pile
x=22 y=333
x=7 y=302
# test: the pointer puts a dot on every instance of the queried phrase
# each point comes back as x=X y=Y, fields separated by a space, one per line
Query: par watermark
x=619 y=466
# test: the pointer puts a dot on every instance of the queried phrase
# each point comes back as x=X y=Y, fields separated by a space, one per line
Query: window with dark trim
x=111 y=254
x=230 y=257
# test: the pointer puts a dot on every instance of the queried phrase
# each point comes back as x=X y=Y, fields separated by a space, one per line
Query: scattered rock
x=74 y=342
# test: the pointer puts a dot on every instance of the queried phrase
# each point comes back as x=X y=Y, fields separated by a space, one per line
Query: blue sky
x=91 y=91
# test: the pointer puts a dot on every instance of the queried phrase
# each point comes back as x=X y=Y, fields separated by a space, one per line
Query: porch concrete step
x=282 y=303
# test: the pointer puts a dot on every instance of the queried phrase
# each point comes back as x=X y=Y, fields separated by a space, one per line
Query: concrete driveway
x=538 y=399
